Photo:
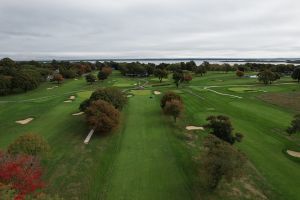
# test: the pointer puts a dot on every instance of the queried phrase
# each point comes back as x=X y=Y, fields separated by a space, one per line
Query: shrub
x=220 y=160
x=30 y=144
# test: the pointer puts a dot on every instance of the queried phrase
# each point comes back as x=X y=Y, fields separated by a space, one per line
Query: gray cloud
x=33 y=29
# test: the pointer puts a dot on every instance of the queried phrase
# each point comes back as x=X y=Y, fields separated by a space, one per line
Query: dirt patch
x=25 y=121
x=192 y=128
x=157 y=92
x=287 y=100
x=293 y=153
x=76 y=114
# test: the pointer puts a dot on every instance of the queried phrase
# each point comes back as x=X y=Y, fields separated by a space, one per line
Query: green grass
x=148 y=156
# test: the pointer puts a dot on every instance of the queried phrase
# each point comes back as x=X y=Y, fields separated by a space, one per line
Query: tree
x=5 y=85
x=220 y=160
x=187 y=77
x=30 y=144
x=173 y=108
x=160 y=74
x=22 y=172
x=111 y=95
x=296 y=74
x=295 y=125
x=267 y=76
x=7 y=62
x=227 y=67
x=177 y=77
x=221 y=127
x=24 y=81
x=168 y=96
x=239 y=73
x=90 y=78
x=200 y=70
x=58 y=78
x=107 y=70
x=102 y=116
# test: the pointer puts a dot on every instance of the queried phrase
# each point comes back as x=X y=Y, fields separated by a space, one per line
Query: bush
x=30 y=144
x=220 y=160
x=102 y=116
x=221 y=127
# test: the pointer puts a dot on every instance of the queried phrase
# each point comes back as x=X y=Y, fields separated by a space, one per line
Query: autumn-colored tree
x=187 y=77
x=220 y=160
x=58 y=78
x=168 y=96
x=239 y=73
x=31 y=144
x=22 y=173
x=173 y=108
x=104 y=73
x=102 y=116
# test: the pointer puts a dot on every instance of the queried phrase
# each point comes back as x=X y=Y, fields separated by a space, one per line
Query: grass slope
x=146 y=167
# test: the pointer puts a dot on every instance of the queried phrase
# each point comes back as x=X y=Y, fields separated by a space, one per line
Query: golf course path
x=146 y=167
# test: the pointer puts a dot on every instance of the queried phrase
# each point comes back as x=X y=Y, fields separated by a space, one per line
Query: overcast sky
x=35 y=29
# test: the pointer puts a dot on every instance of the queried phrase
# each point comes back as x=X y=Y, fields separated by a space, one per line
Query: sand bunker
x=50 y=88
x=25 y=121
x=76 y=79
x=68 y=101
x=128 y=96
x=76 y=114
x=72 y=97
x=157 y=92
x=293 y=153
x=192 y=128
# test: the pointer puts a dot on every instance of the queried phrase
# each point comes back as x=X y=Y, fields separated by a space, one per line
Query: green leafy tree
x=111 y=95
x=102 y=116
x=30 y=144
x=173 y=108
x=160 y=74
x=90 y=78
x=296 y=74
x=178 y=78
x=295 y=125
x=267 y=76
x=221 y=127
x=220 y=161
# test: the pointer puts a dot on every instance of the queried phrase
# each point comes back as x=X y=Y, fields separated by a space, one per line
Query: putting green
x=141 y=92
x=242 y=89
x=84 y=95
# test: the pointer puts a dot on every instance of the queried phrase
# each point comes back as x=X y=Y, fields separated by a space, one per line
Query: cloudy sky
x=35 y=29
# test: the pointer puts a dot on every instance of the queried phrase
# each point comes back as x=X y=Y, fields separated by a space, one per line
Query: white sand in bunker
x=76 y=114
x=129 y=95
x=68 y=101
x=72 y=97
x=24 y=121
x=157 y=92
x=192 y=128
x=293 y=153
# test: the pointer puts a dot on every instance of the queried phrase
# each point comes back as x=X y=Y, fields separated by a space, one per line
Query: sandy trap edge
x=25 y=121
x=192 y=128
x=293 y=153
x=157 y=92
x=76 y=114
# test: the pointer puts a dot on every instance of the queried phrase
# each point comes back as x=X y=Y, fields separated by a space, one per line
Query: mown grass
x=148 y=156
